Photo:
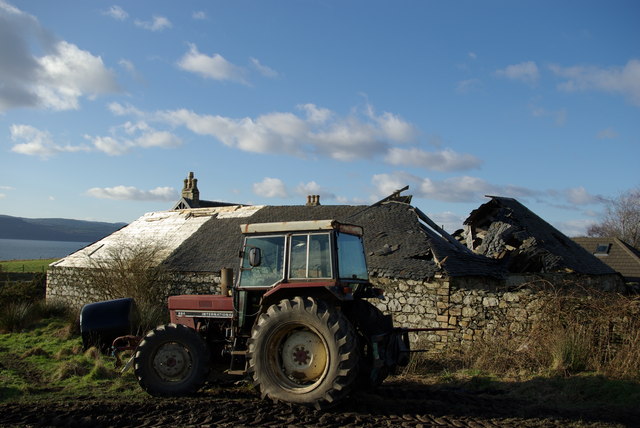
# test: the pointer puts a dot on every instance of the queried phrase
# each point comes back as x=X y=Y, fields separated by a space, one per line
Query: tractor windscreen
x=352 y=263
x=270 y=268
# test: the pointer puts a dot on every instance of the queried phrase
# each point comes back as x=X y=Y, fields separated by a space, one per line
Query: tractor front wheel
x=303 y=351
x=171 y=361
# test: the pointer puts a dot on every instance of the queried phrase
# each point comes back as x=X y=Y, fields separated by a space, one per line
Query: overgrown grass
x=33 y=266
x=21 y=314
x=47 y=360
x=583 y=351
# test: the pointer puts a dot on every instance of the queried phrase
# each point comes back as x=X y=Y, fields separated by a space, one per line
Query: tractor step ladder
x=238 y=364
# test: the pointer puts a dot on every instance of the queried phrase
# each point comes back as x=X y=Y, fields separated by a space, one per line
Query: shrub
x=17 y=316
x=130 y=270
x=571 y=350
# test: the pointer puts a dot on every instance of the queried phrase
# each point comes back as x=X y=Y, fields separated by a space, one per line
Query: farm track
x=400 y=404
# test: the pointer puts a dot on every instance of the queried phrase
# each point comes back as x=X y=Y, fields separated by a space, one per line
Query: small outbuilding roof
x=616 y=253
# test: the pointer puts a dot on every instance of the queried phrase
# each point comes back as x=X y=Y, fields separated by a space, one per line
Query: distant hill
x=55 y=229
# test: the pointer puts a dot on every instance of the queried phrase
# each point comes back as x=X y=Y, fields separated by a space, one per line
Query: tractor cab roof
x=300 y=226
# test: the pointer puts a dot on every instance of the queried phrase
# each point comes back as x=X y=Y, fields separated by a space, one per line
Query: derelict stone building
x=430 y=278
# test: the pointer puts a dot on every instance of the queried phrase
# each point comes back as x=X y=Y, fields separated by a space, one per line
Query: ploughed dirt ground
x=398 y=403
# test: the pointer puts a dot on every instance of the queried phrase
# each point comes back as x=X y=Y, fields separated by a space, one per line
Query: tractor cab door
x=262 y=262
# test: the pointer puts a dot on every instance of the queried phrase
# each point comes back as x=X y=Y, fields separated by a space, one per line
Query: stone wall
x=474 y=308
x=70 y=285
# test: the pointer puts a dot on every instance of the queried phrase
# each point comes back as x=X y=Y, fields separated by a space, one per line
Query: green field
x=39 y=265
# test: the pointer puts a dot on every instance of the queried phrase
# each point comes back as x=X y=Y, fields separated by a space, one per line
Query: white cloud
x=130 y=68
x=313 y=188
x=199 y=15
x=116 y=12
x=110 y=145
x=125 y=110
x=69 y=73
x=34 y=142
x=574 y=228
x=448 y=220
x=158 y=139
x=454 y=189
x=319 y=132
x=54 y=78
x=469 y=85
x=270 y=188
x=607 y=134
x=618 y=80
x=315 y=114
x=2 y=196
x=132 y=193
x=559 y=116
x=211 y=67
x=136 y=135
x=443 y=160
x=157 y=23
x=263 y=69
x=525 y=72
x=580 y=196
x=472 y=55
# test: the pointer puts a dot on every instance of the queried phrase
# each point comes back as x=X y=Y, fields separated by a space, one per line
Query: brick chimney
x=313 y=200
x=190 y=189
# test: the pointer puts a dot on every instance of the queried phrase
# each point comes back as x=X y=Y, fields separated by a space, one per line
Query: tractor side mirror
x=255 y=257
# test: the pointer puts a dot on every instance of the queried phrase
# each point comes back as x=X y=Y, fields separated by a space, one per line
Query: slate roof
x=398 y=245
x=619 y=255
x=509 y=231
x=164 y=230
x=188 y=203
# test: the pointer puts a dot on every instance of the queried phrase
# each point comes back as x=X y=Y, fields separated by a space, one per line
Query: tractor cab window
x=310 y=256
x=352 y=263
x=263 y=261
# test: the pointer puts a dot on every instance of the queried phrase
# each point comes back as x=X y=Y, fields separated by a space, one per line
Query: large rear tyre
x=303 y=351
x=171 y=361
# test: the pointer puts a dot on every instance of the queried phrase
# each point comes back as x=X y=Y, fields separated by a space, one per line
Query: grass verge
x=31 y=266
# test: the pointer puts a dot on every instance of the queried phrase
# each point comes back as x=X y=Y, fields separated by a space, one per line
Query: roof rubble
x=505 y=230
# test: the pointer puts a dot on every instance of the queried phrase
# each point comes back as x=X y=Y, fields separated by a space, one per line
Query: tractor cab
x=324 y=258
x=299 y=252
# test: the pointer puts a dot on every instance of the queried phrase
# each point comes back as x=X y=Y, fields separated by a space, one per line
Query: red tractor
x=296 y=321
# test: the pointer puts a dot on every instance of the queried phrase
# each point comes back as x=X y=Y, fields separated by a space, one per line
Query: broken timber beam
x=422 y=216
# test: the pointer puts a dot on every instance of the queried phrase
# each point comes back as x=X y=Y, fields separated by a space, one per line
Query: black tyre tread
x=158 y=336
x=344 y=337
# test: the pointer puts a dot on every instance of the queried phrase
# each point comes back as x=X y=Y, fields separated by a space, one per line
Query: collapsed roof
x=506 y=230
x=502 y=237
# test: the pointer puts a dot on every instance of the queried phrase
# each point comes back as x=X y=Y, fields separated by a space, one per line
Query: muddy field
x=397 y=404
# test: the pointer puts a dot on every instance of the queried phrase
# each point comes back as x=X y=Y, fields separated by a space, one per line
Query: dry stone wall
x=70 y=285
x=475 y=308
x=472 y=308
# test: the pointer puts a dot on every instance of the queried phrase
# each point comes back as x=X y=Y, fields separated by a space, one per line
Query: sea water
x=26 y=249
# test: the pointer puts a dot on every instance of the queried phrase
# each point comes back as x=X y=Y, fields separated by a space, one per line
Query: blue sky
x=106 y=106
